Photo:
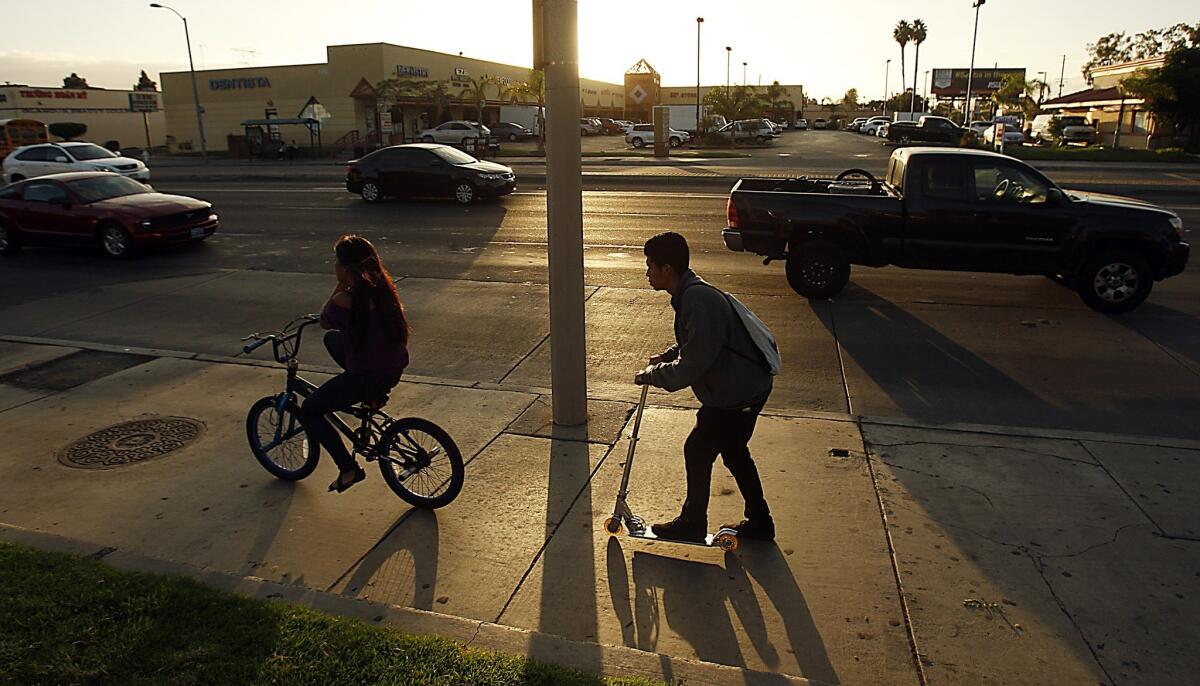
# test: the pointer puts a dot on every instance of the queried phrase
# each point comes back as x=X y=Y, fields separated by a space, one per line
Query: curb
x=613 y=661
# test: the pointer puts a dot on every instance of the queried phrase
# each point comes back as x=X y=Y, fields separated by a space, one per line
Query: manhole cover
x=131 y=442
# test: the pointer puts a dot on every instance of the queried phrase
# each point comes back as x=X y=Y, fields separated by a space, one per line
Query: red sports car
x=102 y=208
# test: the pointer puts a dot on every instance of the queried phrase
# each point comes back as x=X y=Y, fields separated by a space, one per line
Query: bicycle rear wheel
x=278 y=440
x=421 y=463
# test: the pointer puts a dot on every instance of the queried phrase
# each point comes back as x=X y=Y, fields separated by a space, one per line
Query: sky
x=827 y=47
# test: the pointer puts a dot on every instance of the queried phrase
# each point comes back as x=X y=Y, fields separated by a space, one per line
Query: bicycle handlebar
x=251 y=347
x=280 y=339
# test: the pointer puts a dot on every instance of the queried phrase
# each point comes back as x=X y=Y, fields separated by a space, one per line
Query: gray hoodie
x=713 y=353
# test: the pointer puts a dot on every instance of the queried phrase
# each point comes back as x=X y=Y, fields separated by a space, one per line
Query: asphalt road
x=931 y=346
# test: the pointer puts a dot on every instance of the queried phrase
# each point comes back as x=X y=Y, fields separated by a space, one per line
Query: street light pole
x=728 y=54
x=195 y=91
x=887 y=67
x=925 y=98
x=699 y=21
x=743 y=74
x=1061 y=74
x=971 y=71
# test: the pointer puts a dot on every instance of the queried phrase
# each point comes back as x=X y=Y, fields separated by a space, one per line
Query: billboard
x=953 y=82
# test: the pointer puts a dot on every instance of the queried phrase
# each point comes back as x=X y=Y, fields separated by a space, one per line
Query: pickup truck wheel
x=817 y=270
x=1115 y=282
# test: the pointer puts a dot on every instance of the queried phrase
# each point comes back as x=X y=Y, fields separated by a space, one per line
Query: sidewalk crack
x=1122 y=487
x=1040 y=568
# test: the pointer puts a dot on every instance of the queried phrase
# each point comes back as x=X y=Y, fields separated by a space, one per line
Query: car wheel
x=464 y=193
x=371 y=192
x=639 y=143
x=817 y=269
x=427 y=139
x=674 y=141
x=905 y=140
x=512 y=138
x=115 y=241
x=1115 y=281
x=9 y=243
x=761 y=140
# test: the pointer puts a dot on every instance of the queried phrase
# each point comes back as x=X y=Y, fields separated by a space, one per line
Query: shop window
x=1141 y=121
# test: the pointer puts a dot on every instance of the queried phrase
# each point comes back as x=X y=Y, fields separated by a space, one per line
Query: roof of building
x=1085 y=96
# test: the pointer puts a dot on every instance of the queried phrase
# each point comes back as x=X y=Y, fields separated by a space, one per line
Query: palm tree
x=775 y=95
x=918 y=32
x=533 y=89
x=903 y=34
x=476 y=92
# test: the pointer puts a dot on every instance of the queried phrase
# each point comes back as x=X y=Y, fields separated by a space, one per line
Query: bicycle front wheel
x=421 y=463
x=279 y=441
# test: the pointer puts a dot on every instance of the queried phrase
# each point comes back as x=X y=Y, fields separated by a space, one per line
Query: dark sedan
x=427 y=169
x=509 y=131
x=105 y=209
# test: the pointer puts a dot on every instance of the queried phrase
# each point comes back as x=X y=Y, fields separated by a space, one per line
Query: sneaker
x=680 y=529
x=762 y=529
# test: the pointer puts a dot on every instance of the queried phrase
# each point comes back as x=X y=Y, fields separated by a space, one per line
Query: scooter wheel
x=612 y=525
x=727 y=542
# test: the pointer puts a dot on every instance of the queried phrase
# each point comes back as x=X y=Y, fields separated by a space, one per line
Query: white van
x=1075 y=129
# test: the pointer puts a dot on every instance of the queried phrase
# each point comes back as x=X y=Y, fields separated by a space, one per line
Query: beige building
x=108 y=114
x=345 y=88
x=1120 y=120
x=686 y=95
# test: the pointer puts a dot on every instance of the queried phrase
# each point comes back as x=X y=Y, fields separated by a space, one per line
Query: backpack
x=759 y=333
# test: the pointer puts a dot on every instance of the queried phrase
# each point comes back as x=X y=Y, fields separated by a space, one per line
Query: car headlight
x=1177 y=225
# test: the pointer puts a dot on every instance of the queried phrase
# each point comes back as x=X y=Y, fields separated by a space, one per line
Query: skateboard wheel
x=612 y=525
x=727 y=542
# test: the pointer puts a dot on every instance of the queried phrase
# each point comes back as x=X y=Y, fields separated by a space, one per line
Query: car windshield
x=89 y=152
x=105 y=187
x=454 y=155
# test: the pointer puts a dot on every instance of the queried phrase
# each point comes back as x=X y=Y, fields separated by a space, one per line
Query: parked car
x=610 y=126
x=30 y=161
x=819 y=123
x=456 y=132
x=509 y=131
x=642 y=135
x=776 y=128
x=853 y=125
x=929 y=129
x=871 y=126
x=1074 y=129
x=978 y=127
x=115 y=213
x=430 y=170
x=801 y=124
x=590 y=127
x=1012 y=135
x=626 y=126
x=970 y=210
x=747 y=130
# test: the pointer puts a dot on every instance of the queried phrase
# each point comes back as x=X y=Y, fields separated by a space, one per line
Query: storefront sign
x=459 y=71
x=61 y=95
x=403 y=70
x=984 y=82
x=239 y=84
x=143 y=102
x=385 y=122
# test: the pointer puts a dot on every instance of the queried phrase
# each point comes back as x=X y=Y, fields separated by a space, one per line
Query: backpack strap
x=759 y=359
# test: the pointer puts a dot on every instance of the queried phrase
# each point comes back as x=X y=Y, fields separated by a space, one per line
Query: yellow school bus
x=17 y=132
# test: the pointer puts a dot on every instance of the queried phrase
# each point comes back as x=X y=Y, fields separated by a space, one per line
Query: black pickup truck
x=967 y=210
x=927 y=129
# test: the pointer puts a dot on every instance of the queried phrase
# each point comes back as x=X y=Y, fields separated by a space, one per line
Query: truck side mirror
x=1054 y=196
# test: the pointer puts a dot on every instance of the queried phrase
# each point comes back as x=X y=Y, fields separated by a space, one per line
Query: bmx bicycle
x=417 y=458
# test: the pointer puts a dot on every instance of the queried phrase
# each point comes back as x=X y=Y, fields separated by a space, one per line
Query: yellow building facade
x=439 y=87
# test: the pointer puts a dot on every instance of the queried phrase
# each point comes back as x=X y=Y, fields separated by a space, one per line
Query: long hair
x=372 y=286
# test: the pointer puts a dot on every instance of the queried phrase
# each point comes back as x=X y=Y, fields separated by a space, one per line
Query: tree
x=775 y=95
x=918 y=32
x=742 y=102
x=1116 y=48
x=476 y=92
x=389 y=91
x=850 y=99
x=533 y=89
x=903 y=34
x=67 y=130
x=1017 y=93
x=1172 y=93
x=74 y=81
x=145 y=84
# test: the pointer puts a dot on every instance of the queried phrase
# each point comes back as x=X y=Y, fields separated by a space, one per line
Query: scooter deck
x=710 y=540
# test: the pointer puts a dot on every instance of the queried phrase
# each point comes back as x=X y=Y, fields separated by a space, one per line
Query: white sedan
x=1012 y=136
x=454 y=132
x=643 y=134
x=69 y=156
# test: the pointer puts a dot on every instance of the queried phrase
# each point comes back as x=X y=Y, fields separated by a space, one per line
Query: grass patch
x=1099 y=154
x=69 y=620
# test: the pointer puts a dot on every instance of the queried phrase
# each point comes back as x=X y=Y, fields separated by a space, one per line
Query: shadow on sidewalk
x=401 y=569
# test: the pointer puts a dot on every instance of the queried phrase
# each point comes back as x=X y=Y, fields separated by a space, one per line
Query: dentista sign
x=239 y=84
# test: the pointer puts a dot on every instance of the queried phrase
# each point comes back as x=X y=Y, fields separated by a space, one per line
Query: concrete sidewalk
x=912 y=555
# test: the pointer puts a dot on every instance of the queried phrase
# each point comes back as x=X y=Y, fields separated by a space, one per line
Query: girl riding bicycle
x=367 y=337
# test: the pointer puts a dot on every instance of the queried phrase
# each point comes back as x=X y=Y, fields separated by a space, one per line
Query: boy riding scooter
x=728 y=357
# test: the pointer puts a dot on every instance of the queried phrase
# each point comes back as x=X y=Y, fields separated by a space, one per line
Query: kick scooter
x=725 y=539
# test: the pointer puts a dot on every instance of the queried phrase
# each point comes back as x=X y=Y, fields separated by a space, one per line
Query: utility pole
x=743 y=74
x=556 y=52
x=1041 y=88
x=699 y=21
x=925 y=98
x=195 y=90
x=887 y=67
x=971 y=71
x=728 y=54
x=1061 y=73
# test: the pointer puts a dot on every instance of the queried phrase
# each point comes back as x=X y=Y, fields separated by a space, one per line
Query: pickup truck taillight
x=731 y=214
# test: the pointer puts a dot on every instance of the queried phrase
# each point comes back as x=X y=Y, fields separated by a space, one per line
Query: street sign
x=143 y=101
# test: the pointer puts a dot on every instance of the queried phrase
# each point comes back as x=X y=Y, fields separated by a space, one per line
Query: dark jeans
x=728 y=433
x=338 y=395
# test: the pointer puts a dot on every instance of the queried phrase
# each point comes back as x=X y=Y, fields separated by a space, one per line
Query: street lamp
x=195 y=90
x=743 y=74
x=728 y=54
x=971 y=71
x=699 y=21
x=925 y=98
x=887 y=67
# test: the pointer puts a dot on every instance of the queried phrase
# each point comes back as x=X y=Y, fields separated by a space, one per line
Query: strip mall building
x=110 y=115
x=345 y=88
